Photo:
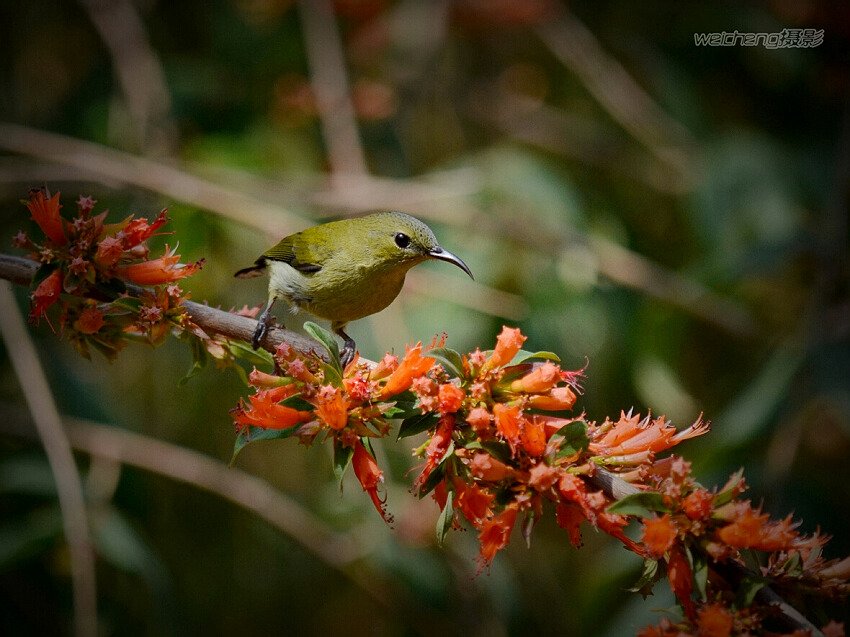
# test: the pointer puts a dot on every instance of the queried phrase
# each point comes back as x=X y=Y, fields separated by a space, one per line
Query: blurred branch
x=155 y=176
x=57 y=448
x=635 y=271
x=330 y=83
x=336 y=550
x=575 y=46
x=138 y=69
x=571 y=136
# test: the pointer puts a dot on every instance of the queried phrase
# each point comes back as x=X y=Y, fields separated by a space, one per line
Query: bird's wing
x=300 y=254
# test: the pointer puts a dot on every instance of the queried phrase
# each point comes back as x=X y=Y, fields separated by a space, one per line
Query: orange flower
x=139 y=230
x=436 y=449
x=681 y=582
x=479 y=418
x=659 y=534
x=370 y=477
x=495 y=535
x=267 y=413
x=109 y=250
x=752 y=529
x=541 y=378
x=713 y=620
x=533 y=438
x=413 y=366
x=485 y=467
x=508 y=423
x=333 y=410
x=45 y=295
x=90 y=321
x=473 y=501
x=570 y=517
x=542 y=477
x=45 y=212
x=264 y=379
x=557 y=399
x=165 y=269
x=630 y=435
x=697 y=504
x=450 y=398
x=508 y=344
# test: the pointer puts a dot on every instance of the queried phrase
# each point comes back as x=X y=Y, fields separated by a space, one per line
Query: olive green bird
x=344 y=270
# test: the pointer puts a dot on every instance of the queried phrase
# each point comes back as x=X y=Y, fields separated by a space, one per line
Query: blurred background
x=673 y=215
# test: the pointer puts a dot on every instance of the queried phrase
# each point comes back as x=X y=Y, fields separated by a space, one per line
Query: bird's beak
x=444 y=255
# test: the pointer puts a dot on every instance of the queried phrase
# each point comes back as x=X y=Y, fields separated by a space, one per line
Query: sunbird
x=344 y=270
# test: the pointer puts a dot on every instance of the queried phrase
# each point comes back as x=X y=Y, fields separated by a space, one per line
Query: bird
x=345 y=270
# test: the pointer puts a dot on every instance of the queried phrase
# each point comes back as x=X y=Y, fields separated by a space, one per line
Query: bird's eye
x=402 y=240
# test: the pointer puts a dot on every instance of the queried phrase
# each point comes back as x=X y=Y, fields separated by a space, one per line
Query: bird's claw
x=263 y=324
x=347 y=353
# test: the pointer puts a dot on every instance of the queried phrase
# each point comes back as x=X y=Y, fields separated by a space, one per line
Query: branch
x=20 y=271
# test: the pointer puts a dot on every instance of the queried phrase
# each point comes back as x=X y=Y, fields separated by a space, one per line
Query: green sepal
x=575 y=439
x=255 y=434
x=342 y=459
x=130 y=303
x=642 y=504
x=200 y=357
x=416 y=424
x=448 y=358
x=328 y=341
x=444 y=522
x=748 y=589
x=648 y=576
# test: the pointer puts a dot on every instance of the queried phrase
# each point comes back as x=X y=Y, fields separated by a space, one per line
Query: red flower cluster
x=496 y=454
x=83 y=258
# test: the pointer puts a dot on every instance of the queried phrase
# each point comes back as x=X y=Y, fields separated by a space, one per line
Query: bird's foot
x=263 y=324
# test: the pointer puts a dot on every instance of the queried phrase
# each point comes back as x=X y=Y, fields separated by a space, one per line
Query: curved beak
x=444 y=255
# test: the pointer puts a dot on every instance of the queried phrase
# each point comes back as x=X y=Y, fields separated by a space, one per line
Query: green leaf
x=242 y=350
x=728 y=493
x=128 y=303
x=333 y=375
x=499 y=450
x=199 y=358
x=575 y=439
x=523 y=355
x=328 y=341
x=342 y=458
x=297 y=402
x=647 y=578
x=416 y=424
x=255 y=434
x=403 y=409
x=700 y=572
x=448 y=358
x=641 y=504
x=444 y=522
